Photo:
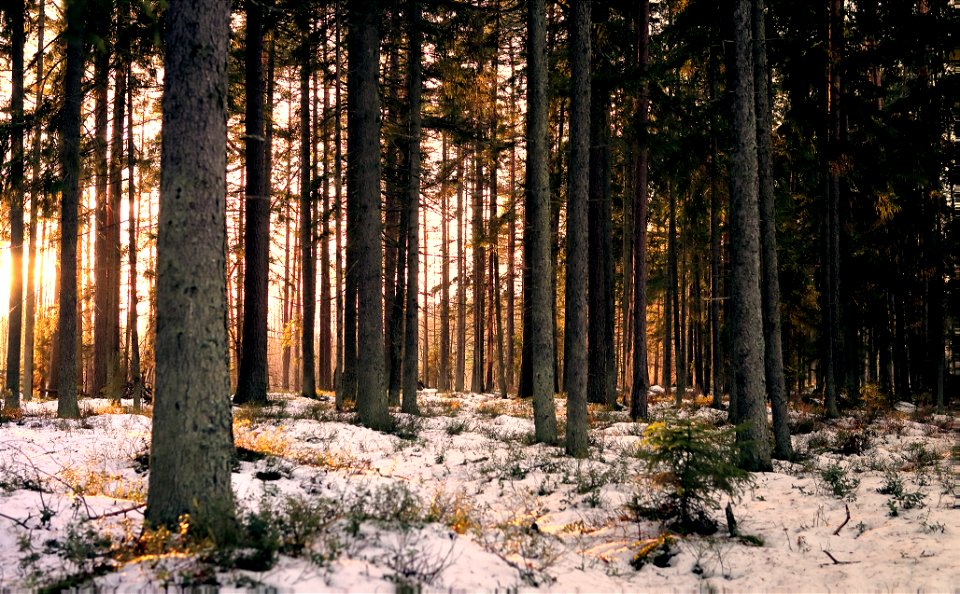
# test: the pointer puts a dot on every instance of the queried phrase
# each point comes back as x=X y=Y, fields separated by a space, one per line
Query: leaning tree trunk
x=537 y=236
x=192 y=442
x=747 y=319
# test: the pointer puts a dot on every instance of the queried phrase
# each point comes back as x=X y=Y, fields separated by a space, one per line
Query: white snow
x=493 y=511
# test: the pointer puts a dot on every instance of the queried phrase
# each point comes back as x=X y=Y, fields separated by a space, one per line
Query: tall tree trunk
x=252 y=375
x=673 y=318
x=537 y=233
x=70 y=121
x=679 y=313
x=31 y=315
x=576 y=365
x=324 y=372
x=832 y=323
x=414 y=91
x=394 y=184
x=479 y=284
x=136 y=380
x=443 y=373
x=102 y=347
x=308 y=293
x=192 y=443
x=716 y=365
x=667 y=320
x=338 y=207
x=363 y=188
x=426 y=305
x=511 y=268
x=747 y=317
x=770 y=281
x=15 y=301
x=113 y=387
x=498 y=313
x=641 y=382
x=601 y=386
x=459 y=376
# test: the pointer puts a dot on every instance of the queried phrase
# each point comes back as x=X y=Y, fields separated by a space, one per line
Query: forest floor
x=460 y=500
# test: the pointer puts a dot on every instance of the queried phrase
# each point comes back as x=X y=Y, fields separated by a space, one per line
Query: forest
x=346 y=295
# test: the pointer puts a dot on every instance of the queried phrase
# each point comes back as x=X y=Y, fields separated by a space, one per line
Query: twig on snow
x=840 y=527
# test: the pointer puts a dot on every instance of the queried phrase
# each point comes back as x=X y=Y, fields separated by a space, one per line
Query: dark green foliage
x=694 y=465
x=289 y=527
x=841 y=486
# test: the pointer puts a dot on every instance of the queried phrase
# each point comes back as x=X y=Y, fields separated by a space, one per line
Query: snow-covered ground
x=460 y=501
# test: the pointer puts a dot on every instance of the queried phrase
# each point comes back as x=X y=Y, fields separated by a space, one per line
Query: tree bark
x=537 y=237
x=414 y=91
x=31 y=305
x=136 y=379
x=459 y=375
x=308 y=292
x=770 y=280
x=832 y=322
x=576 y=365
x=324 y=371
x=641 y=382
x=602 y=388
x=747 y=317
x=252 y=375
x=192 y=442
x=363 y=188
x=15 y=301
x=479 y=283
x=70 y=121
x=443 y=373
x=101 y=283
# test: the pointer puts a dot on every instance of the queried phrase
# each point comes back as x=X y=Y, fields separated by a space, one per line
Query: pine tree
x=192 y=440
x=363 y=189
x=575 y=323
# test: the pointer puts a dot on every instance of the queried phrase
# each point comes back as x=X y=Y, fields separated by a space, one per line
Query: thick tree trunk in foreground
x=537 y=238
x=747 y=318
x=192 y=440
x=363 y=189
x=578 y=194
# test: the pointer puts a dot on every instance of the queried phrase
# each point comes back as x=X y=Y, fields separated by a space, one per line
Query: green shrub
x=842 y=486
x=693 y=464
